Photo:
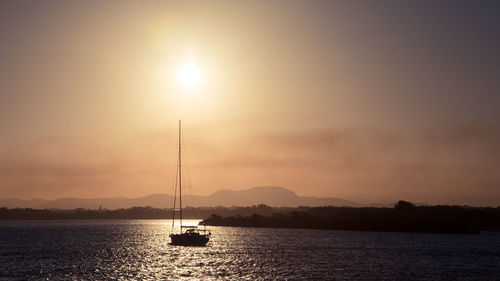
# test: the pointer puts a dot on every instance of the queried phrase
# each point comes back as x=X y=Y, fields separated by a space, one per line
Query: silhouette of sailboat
x=192 y=236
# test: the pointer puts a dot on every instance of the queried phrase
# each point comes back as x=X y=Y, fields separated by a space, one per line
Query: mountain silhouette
x=268 y=195
x=20 y=203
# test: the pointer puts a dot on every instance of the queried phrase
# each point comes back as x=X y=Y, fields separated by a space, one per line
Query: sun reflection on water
x=140 y=250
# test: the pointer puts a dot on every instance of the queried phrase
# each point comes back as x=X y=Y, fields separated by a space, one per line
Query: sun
x=189 y=75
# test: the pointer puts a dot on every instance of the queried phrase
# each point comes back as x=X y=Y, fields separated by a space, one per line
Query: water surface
x=139 y=250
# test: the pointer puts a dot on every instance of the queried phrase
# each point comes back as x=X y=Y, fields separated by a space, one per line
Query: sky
x=372 y=101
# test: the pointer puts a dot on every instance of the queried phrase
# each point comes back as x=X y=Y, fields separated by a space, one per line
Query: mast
x=180 y=177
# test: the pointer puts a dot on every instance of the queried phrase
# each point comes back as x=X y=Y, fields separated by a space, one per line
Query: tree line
x=136 y=213
x=404 y=216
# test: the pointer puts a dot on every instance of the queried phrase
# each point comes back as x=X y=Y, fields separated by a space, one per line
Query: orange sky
x=324 y=98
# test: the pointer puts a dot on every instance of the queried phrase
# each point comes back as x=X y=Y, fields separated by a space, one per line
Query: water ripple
x=139 y=250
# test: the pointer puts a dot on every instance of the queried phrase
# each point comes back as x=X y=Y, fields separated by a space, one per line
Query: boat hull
x=189 y=239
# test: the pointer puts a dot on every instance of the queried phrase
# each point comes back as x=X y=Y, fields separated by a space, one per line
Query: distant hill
x=19 y=203
x=270 y=195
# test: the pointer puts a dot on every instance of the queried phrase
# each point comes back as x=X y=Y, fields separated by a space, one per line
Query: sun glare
x=189 y=75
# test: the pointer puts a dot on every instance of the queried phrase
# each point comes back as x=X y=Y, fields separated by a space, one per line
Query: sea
x=140 y=250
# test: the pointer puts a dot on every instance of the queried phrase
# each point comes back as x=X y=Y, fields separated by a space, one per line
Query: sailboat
x=192 y=236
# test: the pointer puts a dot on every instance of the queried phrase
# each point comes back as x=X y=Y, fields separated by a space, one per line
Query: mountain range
x=268 y=195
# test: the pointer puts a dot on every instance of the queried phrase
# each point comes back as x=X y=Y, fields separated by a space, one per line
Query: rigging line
x=175 y=194
x=170 y=171
x=180 y=175
x=172 y=168
x=175 y=197
x=187 y=165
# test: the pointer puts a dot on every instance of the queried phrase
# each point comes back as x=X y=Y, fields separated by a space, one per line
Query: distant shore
x=404 y=217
